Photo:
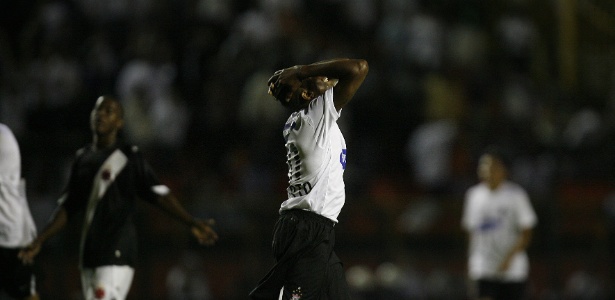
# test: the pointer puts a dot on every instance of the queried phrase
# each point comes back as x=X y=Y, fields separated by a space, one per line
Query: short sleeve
x=322 y=115
x=526 y=217
x=148 y=186
x=73 y=191
x=468 y=219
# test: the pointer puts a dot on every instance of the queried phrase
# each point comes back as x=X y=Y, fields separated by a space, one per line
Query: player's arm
x=56 y=224
x=201 y=229
x=523 y=241
x=350 y=74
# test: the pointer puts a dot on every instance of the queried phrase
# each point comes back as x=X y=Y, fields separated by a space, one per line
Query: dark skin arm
x=350 y=74
x=201 y=229
x=56 y=224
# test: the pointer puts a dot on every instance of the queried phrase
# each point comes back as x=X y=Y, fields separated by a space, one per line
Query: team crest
x=296 y=294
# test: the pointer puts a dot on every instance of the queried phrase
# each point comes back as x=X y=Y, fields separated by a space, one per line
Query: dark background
x=447 y=78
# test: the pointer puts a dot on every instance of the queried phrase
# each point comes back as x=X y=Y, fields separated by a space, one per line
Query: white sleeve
x=322 y=115
x=10 y=159
x=468 y=219
x=526 y=217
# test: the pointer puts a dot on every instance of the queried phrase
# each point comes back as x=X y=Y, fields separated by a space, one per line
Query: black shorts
x=16 y=279
x=499 y=290
x=306 y=265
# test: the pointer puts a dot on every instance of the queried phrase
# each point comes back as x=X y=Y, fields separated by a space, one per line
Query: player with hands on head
x=106 y=179
x=306 y=264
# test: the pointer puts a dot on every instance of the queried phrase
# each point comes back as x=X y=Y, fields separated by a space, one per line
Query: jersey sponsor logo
x=489 y=224
x=299 y=189
x=343 y=159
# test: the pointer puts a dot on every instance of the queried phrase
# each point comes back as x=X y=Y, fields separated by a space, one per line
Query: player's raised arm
x=350 y=74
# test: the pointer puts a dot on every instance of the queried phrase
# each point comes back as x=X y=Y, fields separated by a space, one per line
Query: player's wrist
x=300 y=72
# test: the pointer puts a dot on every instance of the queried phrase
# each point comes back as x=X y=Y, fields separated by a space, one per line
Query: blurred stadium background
x=447 y=77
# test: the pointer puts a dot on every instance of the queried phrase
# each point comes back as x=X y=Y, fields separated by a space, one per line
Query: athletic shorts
x=16 y=279
x=106 y=282
x=306 y=266
x=499 y=290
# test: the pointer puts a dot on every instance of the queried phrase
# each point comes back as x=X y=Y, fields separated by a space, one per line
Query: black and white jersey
x=316 y=159
x=104 y=185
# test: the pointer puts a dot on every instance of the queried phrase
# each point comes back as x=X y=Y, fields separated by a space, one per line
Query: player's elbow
x=361 y=68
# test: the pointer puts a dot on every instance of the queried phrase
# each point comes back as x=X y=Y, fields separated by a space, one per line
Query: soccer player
x=107 y=177
x=306 y=265
x=17 y=228
x=499 y=218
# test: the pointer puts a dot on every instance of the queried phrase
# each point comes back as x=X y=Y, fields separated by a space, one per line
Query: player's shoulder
x=513 y=187
x=81 y=151
x=131 y=150
x=476 y=188
x=6 y=134
x=4 y=128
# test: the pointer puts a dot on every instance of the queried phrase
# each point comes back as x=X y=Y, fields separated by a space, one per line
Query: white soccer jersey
x=494 y=219
x=316 y=158
x=17 y=227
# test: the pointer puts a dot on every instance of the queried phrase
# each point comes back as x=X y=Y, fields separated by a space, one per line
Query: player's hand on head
x=204 y=233
x=274 y=77
x=284 y=83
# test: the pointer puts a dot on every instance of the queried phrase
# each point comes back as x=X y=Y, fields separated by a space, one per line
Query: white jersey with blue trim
x=17 y=228
x=316 y=159
x=494 y=219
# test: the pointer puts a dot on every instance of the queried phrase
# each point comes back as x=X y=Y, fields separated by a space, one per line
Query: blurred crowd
x=447 y=78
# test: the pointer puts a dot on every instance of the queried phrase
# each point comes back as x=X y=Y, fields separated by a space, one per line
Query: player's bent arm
x=349 y=72
x=523 y=241
x=201 y=229
x=56 y=224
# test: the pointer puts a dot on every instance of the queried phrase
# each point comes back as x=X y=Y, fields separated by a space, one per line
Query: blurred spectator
x=396 y=282
x=582 y=285
x=362 y=282
x=146 y=84
x=428 y=151
x=186 y=280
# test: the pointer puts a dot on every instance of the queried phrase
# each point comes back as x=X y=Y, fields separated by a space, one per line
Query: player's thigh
x=488 y=289
x=514 y=291
x=336 y=284
x=107 y=282
x=307 y=278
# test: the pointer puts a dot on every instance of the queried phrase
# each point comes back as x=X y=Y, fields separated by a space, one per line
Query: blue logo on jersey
x=343 y=159
x=489 y=224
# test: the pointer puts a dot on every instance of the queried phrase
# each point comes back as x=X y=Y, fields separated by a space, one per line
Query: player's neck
x=494 y=185
x=104 y=142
